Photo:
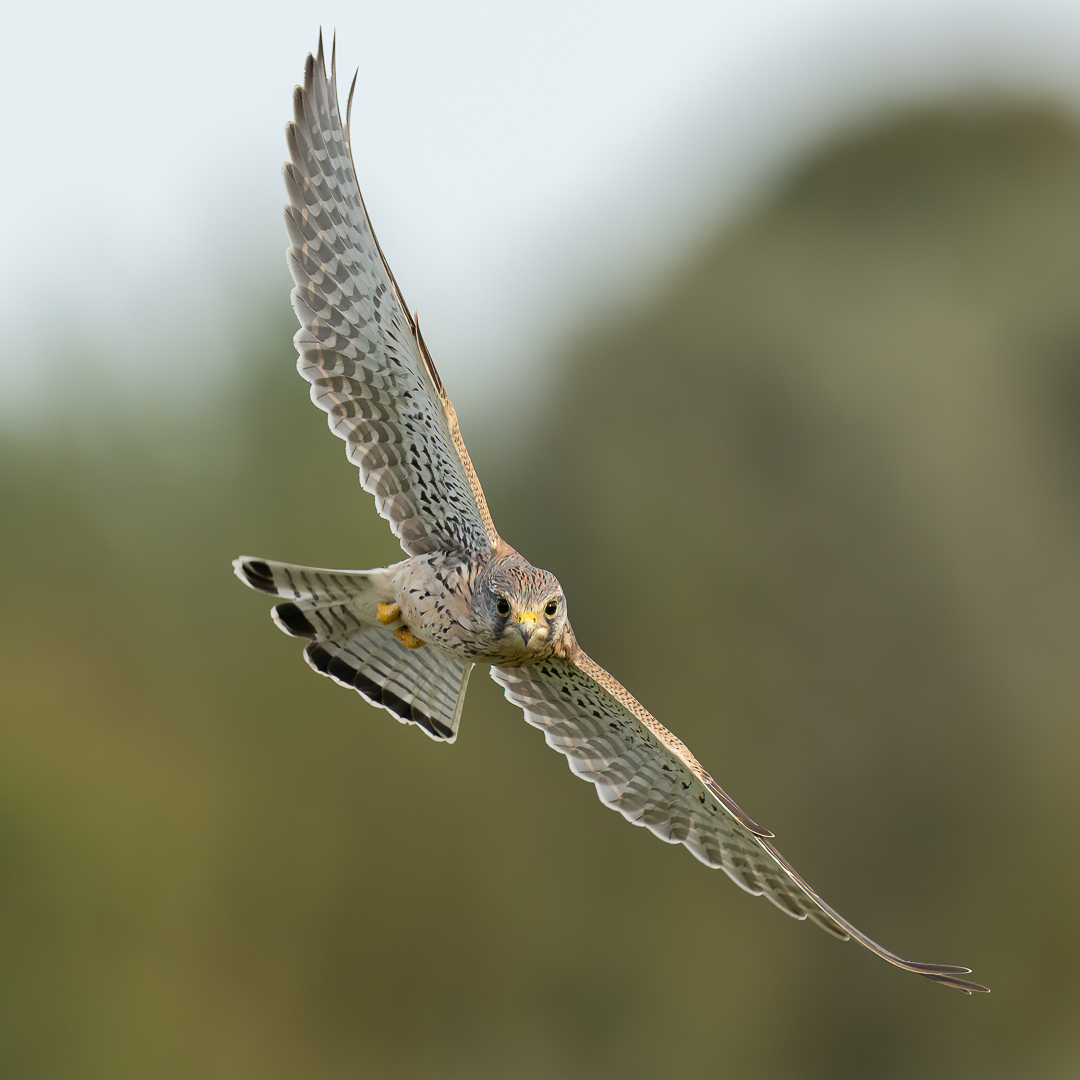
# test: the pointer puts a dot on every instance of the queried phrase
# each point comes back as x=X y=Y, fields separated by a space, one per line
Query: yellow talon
x=387 y=612
x=407 y=637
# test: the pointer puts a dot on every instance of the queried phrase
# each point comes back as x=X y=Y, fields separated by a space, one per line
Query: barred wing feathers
x=649 y=776
x=361 y=351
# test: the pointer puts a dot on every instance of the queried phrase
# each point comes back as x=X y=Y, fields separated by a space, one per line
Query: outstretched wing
x=358 y=347
x=643 y=771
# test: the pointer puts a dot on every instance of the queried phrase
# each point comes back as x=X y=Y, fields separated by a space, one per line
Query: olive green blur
x=815 y=501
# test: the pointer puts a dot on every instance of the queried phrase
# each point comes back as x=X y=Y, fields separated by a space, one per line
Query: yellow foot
x=387 y=612
x=407 y=637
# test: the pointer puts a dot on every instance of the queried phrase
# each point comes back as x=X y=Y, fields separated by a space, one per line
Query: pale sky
x=523 y=164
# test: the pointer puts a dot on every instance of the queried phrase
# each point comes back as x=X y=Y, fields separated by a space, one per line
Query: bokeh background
x=763 y=322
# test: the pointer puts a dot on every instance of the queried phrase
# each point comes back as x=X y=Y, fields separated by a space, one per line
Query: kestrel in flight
x=407 y=636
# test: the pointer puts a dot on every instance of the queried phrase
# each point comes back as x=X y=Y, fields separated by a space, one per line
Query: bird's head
x=522 y=608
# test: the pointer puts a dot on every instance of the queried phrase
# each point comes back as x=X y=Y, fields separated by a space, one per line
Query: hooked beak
x=526 y=626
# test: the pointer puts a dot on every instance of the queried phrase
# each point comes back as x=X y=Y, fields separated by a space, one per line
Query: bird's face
x=522 y=609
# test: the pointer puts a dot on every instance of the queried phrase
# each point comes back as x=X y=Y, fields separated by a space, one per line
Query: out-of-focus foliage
x=815 y=503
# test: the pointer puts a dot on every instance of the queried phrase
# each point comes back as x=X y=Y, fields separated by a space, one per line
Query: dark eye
x=502 y=606
x=552 y=607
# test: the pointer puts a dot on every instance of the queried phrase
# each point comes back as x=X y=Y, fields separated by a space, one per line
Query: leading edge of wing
x=642 y=770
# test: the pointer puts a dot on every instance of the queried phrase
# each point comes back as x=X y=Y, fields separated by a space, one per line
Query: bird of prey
x=407 y=636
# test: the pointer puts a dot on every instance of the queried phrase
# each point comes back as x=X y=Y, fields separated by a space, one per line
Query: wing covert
x=361 y=351
x=649 y=776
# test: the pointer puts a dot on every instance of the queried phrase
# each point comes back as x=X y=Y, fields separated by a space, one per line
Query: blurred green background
x=815 y=502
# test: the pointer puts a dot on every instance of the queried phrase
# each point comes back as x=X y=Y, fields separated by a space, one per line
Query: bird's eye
x=502 y=606
x=552 y=607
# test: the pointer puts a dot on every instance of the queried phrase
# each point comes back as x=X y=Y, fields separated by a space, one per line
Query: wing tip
x=965 y=986
x=946 y=974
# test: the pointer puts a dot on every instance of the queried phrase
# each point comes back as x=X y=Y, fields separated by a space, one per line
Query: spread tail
x=335 y=610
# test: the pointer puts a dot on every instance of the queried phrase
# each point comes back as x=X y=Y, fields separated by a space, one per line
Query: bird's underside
x=406 y=637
